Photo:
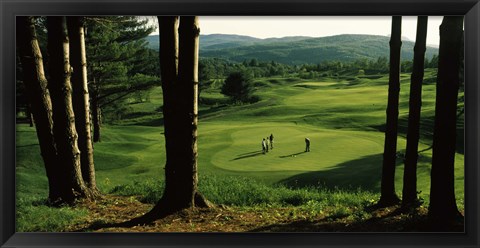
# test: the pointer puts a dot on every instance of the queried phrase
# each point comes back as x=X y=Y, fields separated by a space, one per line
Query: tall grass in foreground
x=242 y=192
x=33 y=215
x=247 y=192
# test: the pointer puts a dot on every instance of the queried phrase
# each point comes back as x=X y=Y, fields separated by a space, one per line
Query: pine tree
x=120 y=63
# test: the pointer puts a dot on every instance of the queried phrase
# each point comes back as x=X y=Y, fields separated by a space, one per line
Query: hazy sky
x=315 y=26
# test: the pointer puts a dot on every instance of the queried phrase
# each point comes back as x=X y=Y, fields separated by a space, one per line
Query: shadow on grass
x=247 y=155
x=135 y=115
x=364 y=172
x=388 y=219
x=393 y=219
x=20 y=146
x=212 y=110
x=32 y=130
x=155 y=122
x=291 y=155
x=426 y=126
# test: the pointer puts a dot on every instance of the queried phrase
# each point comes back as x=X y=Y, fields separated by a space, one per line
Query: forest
x=119 y=130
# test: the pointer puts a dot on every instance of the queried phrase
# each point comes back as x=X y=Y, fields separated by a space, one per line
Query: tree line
x=217 y=68
x=61 y=105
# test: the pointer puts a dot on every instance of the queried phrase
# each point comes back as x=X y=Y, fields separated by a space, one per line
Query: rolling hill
x=299 y=49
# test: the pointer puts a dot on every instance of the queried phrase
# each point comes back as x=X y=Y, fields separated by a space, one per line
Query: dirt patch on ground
x=106 y=215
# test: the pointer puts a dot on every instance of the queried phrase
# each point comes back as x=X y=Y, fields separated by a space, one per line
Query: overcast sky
x=315 y=26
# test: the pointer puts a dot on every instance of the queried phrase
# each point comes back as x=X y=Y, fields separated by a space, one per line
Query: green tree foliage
x=433 y=63
x=406 y=66
x=238 y=86
x=218 y=68
x=120 y=64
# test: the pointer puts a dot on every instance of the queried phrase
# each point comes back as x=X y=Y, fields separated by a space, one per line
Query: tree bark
x=39 y=98
x=187 y=112
x=443 y=207
x=388 y=194
x=64 y=131
x=169 y=73
x=81 y=99
x=28 y=114
x=179 y=72
x=409 y=195
x=96 y=113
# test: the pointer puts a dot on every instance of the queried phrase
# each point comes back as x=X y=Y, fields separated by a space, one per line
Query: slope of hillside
x=299 y=49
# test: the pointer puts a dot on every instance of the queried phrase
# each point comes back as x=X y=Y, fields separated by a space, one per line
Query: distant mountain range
x=296 y=50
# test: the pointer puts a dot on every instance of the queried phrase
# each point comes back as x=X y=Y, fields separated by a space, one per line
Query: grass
x=33 y=215
x=344 y=119
x=247 y=192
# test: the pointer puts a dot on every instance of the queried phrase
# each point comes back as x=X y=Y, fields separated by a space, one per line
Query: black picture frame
x=11 y=8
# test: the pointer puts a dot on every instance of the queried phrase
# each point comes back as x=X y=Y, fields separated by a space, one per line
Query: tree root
x=388 y=201
x=202 y=202
x=163 y=209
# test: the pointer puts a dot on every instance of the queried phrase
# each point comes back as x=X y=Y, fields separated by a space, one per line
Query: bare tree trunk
x=81 y=100
x=388 y=194
x=39 y=97
x=443 y=208
x=29 y=114
x=64 y=131
x=95 y=113
x=189 y=32
x=179 y=72
x=409 y=195
x=169 y=73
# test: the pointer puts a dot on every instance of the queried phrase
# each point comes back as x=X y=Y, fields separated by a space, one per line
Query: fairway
x=328 y=148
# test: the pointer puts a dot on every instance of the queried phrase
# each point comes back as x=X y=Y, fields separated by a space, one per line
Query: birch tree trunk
x=81 y=104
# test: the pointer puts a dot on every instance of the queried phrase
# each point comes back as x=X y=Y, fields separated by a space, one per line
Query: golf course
x=343 y=116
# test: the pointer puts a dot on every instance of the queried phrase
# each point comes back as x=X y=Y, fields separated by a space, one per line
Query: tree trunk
x=64 y=131
x=28 y=114
x=179 y=72
x=409 y=195
x=187 y=87
x=443 y=207
x=95 y=113
x=388 y=194
x=39 y=98
x=81 y=99
x=169 y=73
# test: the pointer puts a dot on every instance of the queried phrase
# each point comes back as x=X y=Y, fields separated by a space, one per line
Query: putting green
x=242 y=150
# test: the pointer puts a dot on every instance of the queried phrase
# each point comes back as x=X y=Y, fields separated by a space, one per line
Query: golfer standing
x=307 y=145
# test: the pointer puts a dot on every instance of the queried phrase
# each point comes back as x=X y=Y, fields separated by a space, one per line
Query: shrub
x=238 y=86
